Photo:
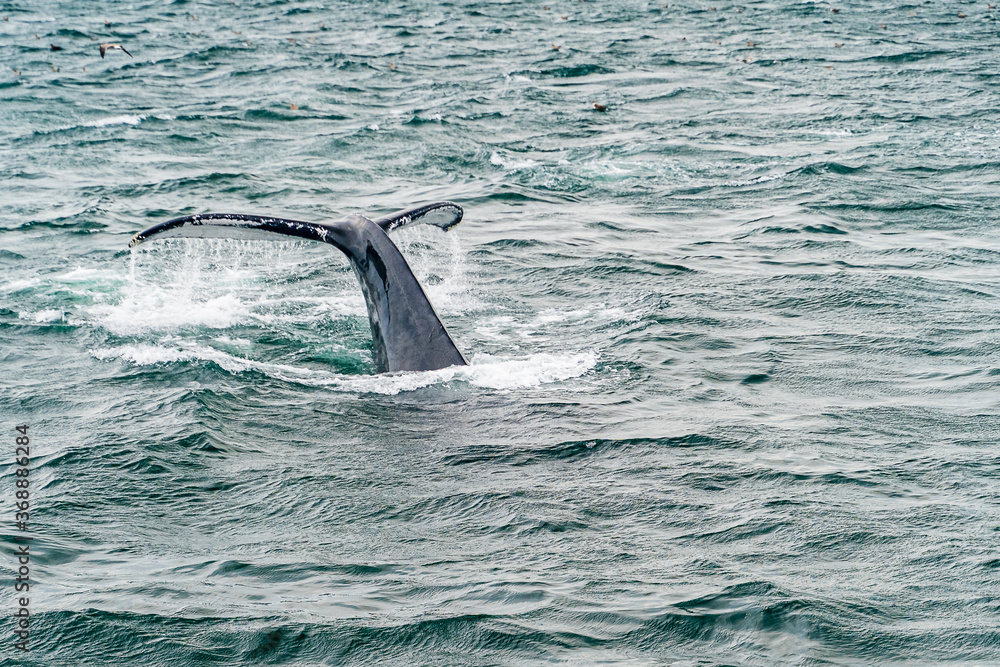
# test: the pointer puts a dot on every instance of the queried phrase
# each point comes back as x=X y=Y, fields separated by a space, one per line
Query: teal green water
x=734 y=341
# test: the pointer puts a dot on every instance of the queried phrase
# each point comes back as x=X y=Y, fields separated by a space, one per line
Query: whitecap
x=18 y=285
x=510 y=164
x=142 y=355
x=125 y=119
x=43 y=316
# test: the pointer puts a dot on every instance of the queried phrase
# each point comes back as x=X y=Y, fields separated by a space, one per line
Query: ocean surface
x=734 y=340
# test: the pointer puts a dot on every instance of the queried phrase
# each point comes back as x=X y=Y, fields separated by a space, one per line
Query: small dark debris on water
x=53 y=47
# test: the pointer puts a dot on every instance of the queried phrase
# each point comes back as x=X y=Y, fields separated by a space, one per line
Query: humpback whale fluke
x=407 y=334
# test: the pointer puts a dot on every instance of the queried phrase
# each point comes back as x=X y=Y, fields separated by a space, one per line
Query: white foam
x=42 y=316
x=386 y=384
x=147 y=355
x=18 y=285
x=510 y=164
x=516 y=77
x=485 y=371
x=537 y=369
x=125 y=119
x=142 y=355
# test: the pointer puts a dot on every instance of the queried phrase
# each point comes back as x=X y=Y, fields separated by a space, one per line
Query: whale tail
x=407 y=335
x=441 y=214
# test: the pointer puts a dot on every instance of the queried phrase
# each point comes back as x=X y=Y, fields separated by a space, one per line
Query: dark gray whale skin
x=407 y=335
